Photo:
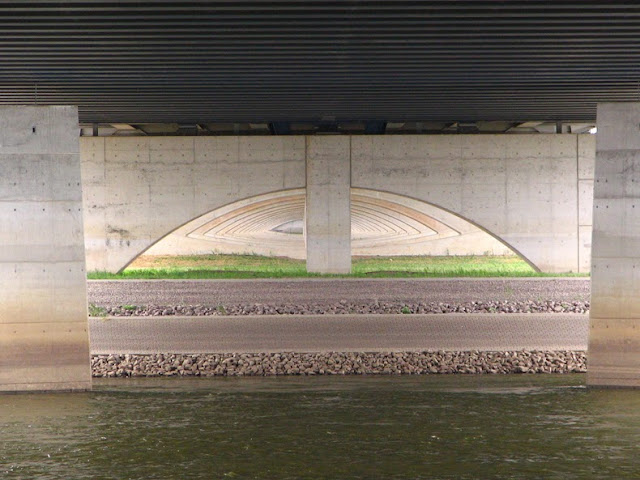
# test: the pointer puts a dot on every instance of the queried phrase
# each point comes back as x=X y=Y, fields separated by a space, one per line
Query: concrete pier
x=328 y=205
x=614 y=340
x=44 y=341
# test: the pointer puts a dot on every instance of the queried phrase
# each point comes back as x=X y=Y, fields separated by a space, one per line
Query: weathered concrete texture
x=137 y=189
x=524 y=189
x=43 y=303
x=531 y=191
x=328 y=205
x=586 y=165
x=614 y=342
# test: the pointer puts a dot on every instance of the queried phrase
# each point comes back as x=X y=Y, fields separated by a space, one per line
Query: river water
x=429 y=427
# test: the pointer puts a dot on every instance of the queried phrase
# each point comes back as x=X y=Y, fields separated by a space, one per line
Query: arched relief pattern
x=381 y=224
x=136 y=189
x=523 y=189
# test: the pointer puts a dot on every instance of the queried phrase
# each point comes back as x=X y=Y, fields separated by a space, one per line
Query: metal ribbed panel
x=264 y=61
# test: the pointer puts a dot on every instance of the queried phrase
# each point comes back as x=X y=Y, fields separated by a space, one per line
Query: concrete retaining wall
x=531 y=191
x=534 y=192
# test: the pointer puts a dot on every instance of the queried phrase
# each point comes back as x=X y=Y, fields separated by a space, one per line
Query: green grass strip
x=255 y=266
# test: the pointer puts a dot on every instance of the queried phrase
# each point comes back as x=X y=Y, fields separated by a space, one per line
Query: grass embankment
x=255 y=266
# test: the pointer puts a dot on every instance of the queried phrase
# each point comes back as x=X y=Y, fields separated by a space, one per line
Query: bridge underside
x=532 y=192
x=287 y=71
x=298 y=66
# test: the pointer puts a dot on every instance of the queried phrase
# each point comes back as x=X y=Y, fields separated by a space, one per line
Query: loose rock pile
x=396 y=363
x=344 y=307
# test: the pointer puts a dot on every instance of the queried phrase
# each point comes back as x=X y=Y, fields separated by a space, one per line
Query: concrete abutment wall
x=138 y=189
x=524 y=189
x=533 y=192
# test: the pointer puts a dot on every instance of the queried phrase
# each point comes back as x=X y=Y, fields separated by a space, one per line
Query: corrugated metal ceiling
x=280 y=61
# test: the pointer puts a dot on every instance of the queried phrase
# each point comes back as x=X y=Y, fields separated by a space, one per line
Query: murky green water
x=329 y=427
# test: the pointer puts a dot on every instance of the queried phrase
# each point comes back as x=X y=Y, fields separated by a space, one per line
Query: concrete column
x=614 y=337
x=44 y=342
x=328 y=205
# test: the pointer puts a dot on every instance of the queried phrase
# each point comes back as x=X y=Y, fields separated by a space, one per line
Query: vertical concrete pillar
x=328 y=206
x=614 y=337
x=44 y=342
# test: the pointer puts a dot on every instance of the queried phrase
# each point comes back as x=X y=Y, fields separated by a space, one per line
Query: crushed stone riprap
x=345 y=307
x=337 y=363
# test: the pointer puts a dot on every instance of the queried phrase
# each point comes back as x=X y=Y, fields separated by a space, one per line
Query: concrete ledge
x=338 y=333
x=612 y=376
x=46 y=387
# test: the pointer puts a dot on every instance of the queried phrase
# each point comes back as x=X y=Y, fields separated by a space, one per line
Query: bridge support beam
x=328 y=205
x=44 y=341
x=614 y=337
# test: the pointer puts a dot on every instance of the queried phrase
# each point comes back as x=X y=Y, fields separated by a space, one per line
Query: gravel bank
x=344 y=307
x=334 y=297
x=397 y=363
